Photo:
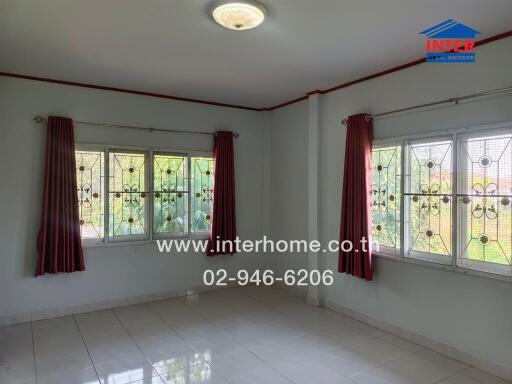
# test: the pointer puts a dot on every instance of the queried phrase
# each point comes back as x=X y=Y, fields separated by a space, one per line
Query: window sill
x=87 y=244
x=444 y=267
x=116 y=243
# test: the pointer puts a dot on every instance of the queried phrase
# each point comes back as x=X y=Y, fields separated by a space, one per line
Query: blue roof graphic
x=450 y=29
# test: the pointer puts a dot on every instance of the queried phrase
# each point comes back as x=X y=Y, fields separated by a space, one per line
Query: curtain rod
x=454 y=100
x=40 y=119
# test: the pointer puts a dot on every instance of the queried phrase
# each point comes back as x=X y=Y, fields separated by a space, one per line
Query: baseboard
x=448 y=350
x=107 y=304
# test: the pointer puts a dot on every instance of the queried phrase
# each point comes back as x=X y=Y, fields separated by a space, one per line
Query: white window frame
x=91 y=242
x=196 y=234
x=419 y=255
x=388 y=143
x=475 y=265
x=149 y=153
x=177 y=235
x=147 y=225
x=489 y=270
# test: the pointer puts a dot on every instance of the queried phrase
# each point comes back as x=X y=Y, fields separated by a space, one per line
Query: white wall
x=289 y=181
x=472 y=314
x=120 y=271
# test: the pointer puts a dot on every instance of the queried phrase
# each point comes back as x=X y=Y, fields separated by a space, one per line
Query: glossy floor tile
x=232 y=336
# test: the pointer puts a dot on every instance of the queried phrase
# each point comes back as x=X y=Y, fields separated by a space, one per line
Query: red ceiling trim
x=286 y=103
x=124 y=90
x=214 y=103
x=378 y=74
x=382 y=73
x=494 y=38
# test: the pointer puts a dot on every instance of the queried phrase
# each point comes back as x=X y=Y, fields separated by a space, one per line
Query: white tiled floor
x=242 y=336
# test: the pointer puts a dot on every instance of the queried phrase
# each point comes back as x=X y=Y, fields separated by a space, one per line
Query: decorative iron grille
x=90 y=181
x=386 y=196
x=170 y=194
x=484 y=200
x=128 y=194
x=202 y=193
x=429 y=194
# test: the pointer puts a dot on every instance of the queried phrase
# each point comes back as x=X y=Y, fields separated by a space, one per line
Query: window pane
x=429 y=201
x=170 y=194
x=484 y=198
x=386 y=197
x=90 y=179
x=128 y=194
x=202 y=193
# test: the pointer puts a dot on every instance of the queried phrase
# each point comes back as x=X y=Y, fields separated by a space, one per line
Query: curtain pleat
x=59 y=245
x=223 y=227
x=355 y=223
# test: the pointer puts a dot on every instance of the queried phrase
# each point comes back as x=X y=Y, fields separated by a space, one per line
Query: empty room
x=256 y=191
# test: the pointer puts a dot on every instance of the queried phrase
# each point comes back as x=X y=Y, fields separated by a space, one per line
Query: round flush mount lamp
x=239 y=15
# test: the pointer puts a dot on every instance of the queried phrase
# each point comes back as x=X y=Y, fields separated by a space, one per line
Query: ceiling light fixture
x=239 y=15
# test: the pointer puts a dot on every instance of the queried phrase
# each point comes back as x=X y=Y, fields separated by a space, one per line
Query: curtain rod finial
x=38 y=119
x=236 y=134
x=344 y=121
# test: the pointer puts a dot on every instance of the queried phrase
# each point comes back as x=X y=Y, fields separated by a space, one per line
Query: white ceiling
x=173 y=47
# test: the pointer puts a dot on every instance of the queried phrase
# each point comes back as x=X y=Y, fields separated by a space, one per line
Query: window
x=484 y=198
x=428 y=201
x=202 y=194
x=170 y=194
x=128 y=195
x=90 y=182
x=147 y=194
x=456 y=205
x=386 y=197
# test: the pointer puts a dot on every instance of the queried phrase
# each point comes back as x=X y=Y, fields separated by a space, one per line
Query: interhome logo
x=450 y=42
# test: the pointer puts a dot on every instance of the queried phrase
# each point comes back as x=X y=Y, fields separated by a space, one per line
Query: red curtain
x=356 y=199
x=59 y=246
x=223 y=228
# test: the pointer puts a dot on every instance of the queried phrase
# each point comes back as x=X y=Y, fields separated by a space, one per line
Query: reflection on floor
x=240 y=335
